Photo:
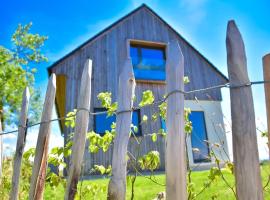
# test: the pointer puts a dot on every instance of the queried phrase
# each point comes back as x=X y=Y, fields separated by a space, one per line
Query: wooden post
x=126 y=89
x=41 y=154
x=245 y=147
x=20 y=146
x=175 y=145
x=81 y=128
x=266 y=75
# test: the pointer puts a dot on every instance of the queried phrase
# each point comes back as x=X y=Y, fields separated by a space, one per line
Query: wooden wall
x=107 y=52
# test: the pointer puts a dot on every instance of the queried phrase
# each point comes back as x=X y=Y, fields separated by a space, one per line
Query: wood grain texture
x=117 y=184
x=82 y=120
x=245 y=147
x=20 y=146
x=266 y=76
x=107 y=52
x=41 y=153
x=175 y=145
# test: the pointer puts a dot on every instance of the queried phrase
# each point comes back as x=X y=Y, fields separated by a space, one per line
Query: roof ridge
x=143 y=5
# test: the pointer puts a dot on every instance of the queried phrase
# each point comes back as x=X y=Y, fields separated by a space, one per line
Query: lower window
x=102 y=122
x=198 y=137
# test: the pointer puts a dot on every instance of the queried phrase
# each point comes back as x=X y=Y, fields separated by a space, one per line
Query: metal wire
x=226 y=85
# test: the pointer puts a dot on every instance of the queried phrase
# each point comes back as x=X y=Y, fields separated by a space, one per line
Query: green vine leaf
x=147 y=98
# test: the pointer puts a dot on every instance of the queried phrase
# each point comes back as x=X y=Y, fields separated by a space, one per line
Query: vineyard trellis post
x=20 y=145
x=245 y=148
x=175 y=142
x=40 y=161
x=81 y=128
x=126 y=90
x=266 y=75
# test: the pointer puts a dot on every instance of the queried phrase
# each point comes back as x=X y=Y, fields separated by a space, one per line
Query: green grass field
x=146 y=190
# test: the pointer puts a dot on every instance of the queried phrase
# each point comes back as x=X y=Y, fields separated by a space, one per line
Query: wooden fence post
x=41 y=154
x=266 y=75
x=81 y=128
x=20 y=146
x=245 y=147
x=175 y=145
x=126 y=89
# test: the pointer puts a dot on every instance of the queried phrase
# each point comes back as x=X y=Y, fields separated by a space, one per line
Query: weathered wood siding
x=107 y=52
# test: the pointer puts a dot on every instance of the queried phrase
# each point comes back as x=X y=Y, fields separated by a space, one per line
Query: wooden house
x=143 y=35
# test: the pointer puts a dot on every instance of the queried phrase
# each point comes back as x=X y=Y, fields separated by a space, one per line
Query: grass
x=145 y=189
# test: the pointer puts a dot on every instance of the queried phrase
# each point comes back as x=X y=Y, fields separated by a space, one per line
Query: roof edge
x=123 y=18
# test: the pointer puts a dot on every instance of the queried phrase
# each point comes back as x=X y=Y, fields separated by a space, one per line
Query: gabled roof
x=122 y=19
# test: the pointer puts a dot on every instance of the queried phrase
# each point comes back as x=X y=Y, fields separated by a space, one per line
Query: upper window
x=102 y=122
x=148 y=62
x=199 y=137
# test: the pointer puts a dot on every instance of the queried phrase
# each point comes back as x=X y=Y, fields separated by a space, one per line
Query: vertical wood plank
x=81 y=129
x=266 y=75
x=41 y=154
x=20 y=146
x=175 y=146
x=126 y=89
x=245 y=147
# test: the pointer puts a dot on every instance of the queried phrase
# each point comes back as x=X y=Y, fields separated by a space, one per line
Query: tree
x=17 y=70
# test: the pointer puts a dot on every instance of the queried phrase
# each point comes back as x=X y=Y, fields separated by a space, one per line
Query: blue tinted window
x=148 y=63
x=103 y=123
x=198 y=137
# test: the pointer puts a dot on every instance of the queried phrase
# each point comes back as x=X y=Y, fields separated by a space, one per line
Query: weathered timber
x=126 y=89
x=266 y=75
x=41 y=154
x=20 y=146
x=81 y=128
x=107 y=52
x=175 y=152
x=245 y=147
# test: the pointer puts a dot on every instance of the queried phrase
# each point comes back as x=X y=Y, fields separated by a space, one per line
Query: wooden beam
x=41 y=154
x=126 y=90
x=175 y=146
x=266 y=75
x=81 y=128
x=20 y=146
x=245 y=147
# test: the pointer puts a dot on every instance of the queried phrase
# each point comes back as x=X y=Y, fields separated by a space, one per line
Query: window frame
x=148 y=45
x=163 y=123
x=99 y=109
x=205 y=160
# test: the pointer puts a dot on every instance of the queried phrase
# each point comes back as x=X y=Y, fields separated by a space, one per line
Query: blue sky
x=202 y=22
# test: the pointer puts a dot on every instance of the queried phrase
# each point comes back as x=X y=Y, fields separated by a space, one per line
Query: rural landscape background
x=202 y=22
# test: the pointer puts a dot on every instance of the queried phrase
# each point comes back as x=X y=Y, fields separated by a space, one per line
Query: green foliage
x=147 y=98
x=97 y=142
x=144 y=119
x=162 y=110
x=154 y=137
x=17 y=71
x=70 y=118
x=102 y=170
x=150 y=161
x=188 y=123
x=106 y=102
x=186 y=80
x=90 y=191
